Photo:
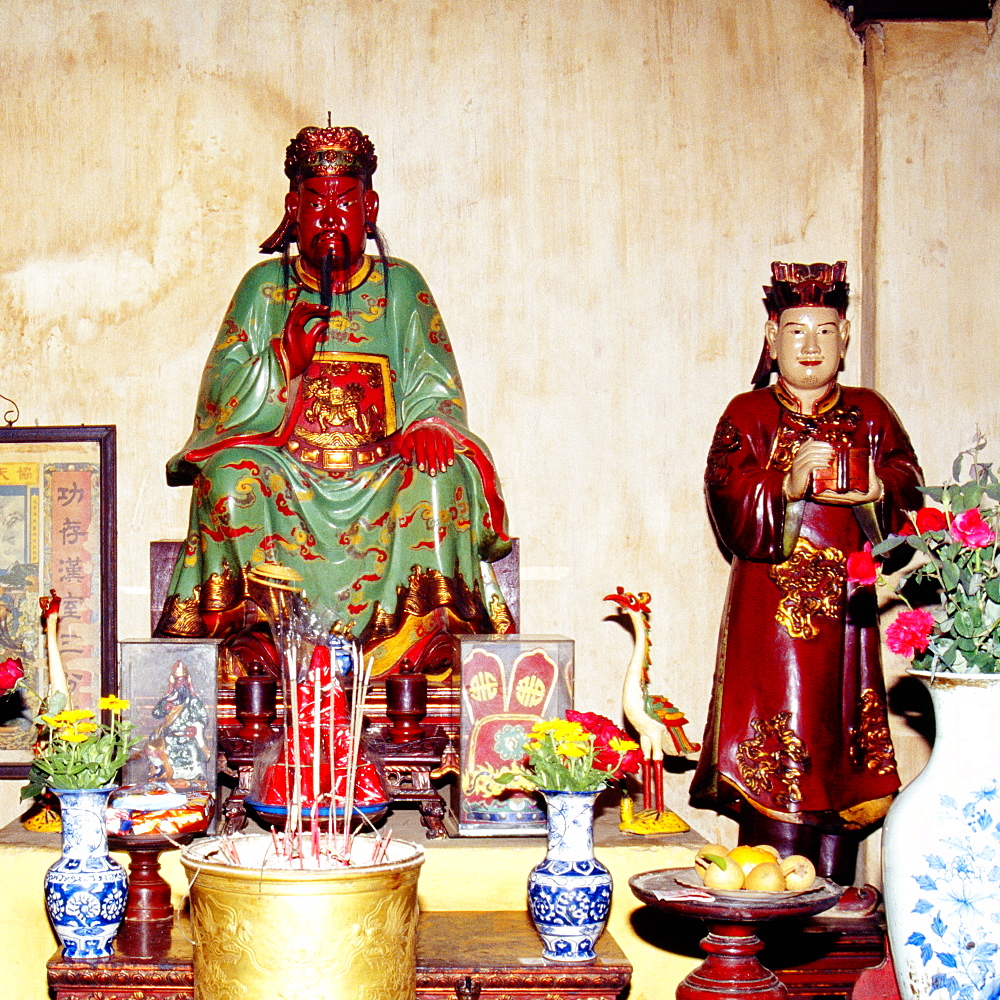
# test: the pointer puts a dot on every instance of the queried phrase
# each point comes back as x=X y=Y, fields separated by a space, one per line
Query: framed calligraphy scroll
x=57 y=532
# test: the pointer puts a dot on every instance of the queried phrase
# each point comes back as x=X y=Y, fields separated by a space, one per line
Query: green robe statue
x=305 y=472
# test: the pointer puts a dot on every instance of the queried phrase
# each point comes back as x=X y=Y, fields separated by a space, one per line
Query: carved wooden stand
x=149 y=914
x=411 y=768
x=731 y=969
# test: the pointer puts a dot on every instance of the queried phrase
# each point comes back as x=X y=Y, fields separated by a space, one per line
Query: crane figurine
x=57 y=674
x=656 y=721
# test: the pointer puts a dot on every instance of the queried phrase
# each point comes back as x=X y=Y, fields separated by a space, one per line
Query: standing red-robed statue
x=800 y=475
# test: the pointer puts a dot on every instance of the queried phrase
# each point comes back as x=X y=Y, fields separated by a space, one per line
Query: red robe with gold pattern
x=797 y=723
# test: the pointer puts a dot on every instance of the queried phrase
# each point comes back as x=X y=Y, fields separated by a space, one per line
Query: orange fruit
x=748 y=857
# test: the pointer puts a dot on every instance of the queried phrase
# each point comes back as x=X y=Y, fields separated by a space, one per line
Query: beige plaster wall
x=594 y=191
x=937 y=89
x=934 y=90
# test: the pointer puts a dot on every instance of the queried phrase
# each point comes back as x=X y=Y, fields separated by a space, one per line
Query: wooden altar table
x=461 y=955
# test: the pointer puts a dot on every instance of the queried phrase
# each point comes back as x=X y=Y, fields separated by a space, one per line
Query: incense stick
x=294 y=815
x=331 y=747
x=316 y=664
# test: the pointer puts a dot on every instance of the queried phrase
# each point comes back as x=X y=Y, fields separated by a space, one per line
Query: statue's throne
x=410 y=767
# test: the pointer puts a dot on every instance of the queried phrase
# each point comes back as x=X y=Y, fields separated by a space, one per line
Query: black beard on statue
x=325 y=282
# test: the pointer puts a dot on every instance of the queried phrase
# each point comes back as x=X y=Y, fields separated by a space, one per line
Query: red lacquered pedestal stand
x=731 y=970
x=149 y=914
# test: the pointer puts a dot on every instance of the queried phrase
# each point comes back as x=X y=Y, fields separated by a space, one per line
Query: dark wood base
x=823 y=959
x=731 y=968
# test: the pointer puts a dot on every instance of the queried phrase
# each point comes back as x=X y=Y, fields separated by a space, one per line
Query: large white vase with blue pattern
x=941 y=851
x=569 y=892
x=86 y=889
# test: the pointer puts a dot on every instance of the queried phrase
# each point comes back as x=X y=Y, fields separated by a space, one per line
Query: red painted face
x=332 y=215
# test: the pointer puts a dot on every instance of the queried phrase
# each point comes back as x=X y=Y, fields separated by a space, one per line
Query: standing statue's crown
x=797 y=285
x=330 y=152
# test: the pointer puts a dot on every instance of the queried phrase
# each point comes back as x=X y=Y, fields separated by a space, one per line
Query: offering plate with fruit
x=745 y=870
x=733 y=903
x=745 y=883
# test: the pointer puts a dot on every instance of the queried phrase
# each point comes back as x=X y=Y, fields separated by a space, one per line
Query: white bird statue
x=658 y=722
x=57 y=675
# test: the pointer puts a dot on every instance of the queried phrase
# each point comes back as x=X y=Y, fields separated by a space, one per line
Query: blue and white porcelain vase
x=569 y=892
x=941 y=851
x=86 y=889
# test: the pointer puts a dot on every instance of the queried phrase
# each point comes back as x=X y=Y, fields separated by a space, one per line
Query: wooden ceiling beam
x=863 y=12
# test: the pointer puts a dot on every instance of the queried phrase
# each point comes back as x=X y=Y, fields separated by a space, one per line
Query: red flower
x=910 y=632
x=11 y=672
x=931 y=519
x=970 y=529
x=907 y=529
x=606 y=758
x=861 y=566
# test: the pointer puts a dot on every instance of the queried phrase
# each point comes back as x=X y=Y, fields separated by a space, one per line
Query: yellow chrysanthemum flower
x=560 y=729
x=113 y=703
x=541 y=728
x=78 y=733
x=67 y=717
x=569 y=748
x=75 y=714
x=622 y=746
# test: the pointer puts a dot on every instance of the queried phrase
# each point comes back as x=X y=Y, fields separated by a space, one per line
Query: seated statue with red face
x=330 y=436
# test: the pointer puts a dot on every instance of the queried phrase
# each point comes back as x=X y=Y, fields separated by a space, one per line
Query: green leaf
x=992 y=588
x=890 y=543
x=952 y=496
x=965 y=624
x=924 y=660
x=981 y=662
x=950 y=575
x=55 y=703
x=949 y=655
x=956 y=466
x=936 y=493
x=972 y=493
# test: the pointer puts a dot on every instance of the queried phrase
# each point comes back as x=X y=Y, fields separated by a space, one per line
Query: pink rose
x=931 y=519
x=11 y=672
x=970 y=529
x=861 y=566
x=910 y=632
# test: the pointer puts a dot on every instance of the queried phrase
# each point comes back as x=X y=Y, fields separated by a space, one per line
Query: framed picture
x=509 y=683
x=57 y=532
x=170 y=685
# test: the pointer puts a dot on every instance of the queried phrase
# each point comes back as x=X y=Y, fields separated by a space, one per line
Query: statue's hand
x=298 y=343
x=809 y=457
x=853 y=498
x=432 y=448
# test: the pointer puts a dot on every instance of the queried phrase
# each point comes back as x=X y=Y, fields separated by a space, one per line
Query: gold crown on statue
x=797 y=285
x=339 y=151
